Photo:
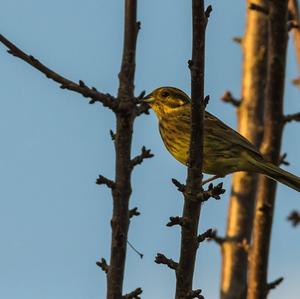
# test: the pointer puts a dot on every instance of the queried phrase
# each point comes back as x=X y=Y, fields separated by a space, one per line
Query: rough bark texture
x=193 y=192
x=250 y=125
x=258 y=256
x=122 y=191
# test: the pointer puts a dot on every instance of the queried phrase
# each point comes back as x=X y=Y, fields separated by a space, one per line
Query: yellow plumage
x=225 y=150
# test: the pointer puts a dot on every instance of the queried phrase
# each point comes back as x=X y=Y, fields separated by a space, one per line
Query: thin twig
x=177 y=221
x=227 y=97
x=294 y=218
x=145 y=154
x=283 y=161
x=162 y=259
x=213 y=191
x=209 y=234
x=274 y=284
x=134 y=212
x=194 y=294
x=102 y=180
x=259 y=8
x=216 y=238
x=180 y=187
x=106 y=99
x=134 y=294
x=291 y=117
x=103 y=265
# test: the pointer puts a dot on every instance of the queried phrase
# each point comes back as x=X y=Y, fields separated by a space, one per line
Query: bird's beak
x=149 y=98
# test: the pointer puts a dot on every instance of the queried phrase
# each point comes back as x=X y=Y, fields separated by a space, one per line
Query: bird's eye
x=165 y=94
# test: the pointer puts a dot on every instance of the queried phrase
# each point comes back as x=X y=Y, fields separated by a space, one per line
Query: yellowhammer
x=225 y=150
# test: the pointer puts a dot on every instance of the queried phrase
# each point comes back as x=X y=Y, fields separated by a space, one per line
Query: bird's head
x=164 y=100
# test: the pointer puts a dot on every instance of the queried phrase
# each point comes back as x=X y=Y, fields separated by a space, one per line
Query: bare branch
x=102 y=180
x=292 y=25
x=112 y=135
x=192 y=190
x=297 y=80
x=180 y=187
x=273 y=285
x=291 y=117
x=124 y=130
x=103 y=265
x=219 y=240
x=106 y=99
x=238 y=40
x=283 y=161
x=142 y=108
x=209 y=234
x=194 y=294
x=213 y=191
x=145 y=154
x=177 y=221
x=206 y=100
x=133 y=295
x=227 y=97
x=162 y=259
x=134 y=212
x=294 y=218
x=208 y=11
x=259 y=8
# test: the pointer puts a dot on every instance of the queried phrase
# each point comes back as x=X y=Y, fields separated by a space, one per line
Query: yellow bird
x=225 y=150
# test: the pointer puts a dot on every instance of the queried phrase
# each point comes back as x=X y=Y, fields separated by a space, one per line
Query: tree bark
x=250 y=125
x=193 y=191
x=258 y=256
x=122 y=191
x=294 y=11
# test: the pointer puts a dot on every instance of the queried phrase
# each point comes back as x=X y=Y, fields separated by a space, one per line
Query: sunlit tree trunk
x=258 y=286
x=250 y=125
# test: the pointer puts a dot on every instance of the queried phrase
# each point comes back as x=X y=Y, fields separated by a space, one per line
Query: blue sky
x=54 y=221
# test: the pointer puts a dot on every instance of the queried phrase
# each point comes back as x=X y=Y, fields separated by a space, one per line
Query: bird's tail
x=276 y=173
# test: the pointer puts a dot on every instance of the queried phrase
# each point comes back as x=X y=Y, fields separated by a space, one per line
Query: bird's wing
x=221 y=130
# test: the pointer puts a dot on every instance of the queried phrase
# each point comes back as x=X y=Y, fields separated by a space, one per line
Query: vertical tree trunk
x=192 y=200
x=294 y=11
x=258 y=256
x=250 y=125
x=122 y=191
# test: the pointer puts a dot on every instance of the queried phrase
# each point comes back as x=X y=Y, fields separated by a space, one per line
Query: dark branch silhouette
x=294 y=218
x=103 y=265
x=102 y=180
x=126 y=107
x=106 y=99
x=162 y=259
x=133 y=295
x=192 y=191
x=259 y=8
x=291 y=117
x=227 y=97
x=145 y=154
